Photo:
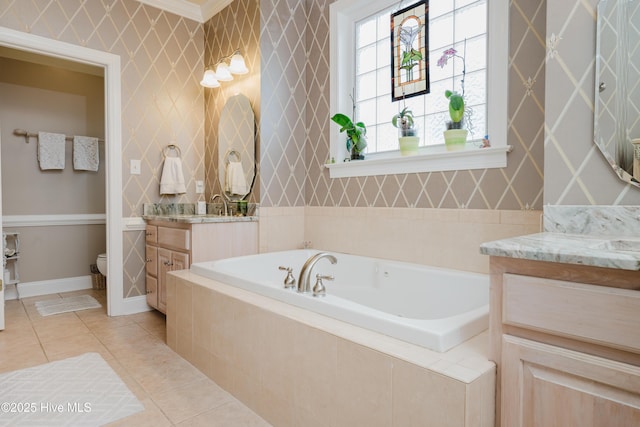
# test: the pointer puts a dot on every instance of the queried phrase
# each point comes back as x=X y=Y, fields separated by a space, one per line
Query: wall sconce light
x=223 y=71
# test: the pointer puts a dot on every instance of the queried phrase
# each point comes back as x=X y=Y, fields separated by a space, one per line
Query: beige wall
x=576 y=172
x=37 y=97
x=295 y=129
x=161 y=59
x=236 y=26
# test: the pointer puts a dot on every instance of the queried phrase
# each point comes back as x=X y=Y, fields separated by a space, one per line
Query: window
x=360 y=62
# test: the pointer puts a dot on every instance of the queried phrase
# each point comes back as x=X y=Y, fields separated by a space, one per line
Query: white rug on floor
x=79 y=391
x=65 y=305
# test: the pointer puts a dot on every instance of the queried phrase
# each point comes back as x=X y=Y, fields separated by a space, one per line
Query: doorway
x=113 y=148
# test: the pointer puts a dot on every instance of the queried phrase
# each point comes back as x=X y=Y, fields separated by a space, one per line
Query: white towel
x=235 y=183
x=172 y=181
x=51 y=150
x=86 y=155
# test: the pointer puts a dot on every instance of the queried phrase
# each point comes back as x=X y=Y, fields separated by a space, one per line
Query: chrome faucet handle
x=318 y=289
x=289 y=281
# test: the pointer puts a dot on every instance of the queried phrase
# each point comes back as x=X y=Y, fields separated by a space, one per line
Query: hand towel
x=172 y=180
x=51 y=147
x=85 y=153
x=235 y=183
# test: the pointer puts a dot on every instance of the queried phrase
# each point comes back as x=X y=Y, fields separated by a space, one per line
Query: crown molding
x=200 y=13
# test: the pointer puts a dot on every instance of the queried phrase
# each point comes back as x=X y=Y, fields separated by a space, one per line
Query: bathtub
x=432 y=307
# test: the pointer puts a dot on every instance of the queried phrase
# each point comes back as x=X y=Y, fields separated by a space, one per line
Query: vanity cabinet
x=175 y=245
x=566 y=339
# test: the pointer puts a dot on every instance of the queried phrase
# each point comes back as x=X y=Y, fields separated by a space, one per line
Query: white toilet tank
x=101 y=262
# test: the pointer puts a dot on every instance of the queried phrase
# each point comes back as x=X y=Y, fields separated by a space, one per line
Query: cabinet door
x=548 y=386
x=151 y=253
x=179 y=261
x=152 y=291
x=164 y=266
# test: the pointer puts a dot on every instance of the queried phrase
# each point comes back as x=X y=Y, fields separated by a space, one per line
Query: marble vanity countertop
x=618 y=252
x=199 y=219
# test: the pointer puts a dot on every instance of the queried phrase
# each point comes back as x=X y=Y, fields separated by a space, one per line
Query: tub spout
x=305 y=273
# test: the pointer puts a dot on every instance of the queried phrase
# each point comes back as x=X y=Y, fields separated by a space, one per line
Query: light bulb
x=237 y=65
x=209 y=79
x=222 y=72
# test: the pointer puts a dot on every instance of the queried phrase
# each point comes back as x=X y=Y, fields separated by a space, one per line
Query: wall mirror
x=617 y=85
x=236 y=148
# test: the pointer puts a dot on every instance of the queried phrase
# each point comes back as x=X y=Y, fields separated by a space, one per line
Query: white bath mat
x=79 y=391
x=65 y=305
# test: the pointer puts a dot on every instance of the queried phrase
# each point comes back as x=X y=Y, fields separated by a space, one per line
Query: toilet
x=101 y=262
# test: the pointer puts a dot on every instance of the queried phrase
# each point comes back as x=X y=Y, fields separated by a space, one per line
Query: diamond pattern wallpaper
x=236 y=26
x=295 y=124
x=576 y=172
x=162 y=100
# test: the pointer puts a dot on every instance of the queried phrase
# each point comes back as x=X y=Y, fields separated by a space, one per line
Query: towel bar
x=27 y=135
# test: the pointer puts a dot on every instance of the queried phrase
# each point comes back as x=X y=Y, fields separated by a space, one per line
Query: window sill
x=428 y=159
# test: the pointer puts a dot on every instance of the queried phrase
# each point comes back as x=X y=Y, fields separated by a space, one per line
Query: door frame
x=113 y=146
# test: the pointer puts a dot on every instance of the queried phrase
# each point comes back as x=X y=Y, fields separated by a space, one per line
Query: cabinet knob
x=148 y=260
x=148 y=233
x=149 y=292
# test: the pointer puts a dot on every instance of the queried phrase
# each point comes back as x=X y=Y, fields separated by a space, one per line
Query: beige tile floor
x=173 y=392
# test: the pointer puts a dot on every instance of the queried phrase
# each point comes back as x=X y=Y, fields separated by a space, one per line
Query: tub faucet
x=224 y=202
x=305 y=273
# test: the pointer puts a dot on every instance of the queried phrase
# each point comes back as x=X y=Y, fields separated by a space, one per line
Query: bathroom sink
x=624 y=245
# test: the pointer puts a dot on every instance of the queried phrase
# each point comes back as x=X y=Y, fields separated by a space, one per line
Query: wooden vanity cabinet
x=566 y=340
x=174 y=246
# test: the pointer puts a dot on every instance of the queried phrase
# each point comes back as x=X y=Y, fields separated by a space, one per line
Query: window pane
x=383 y=82
x=366 y=112
x=366 y=32
x=440 y=33
x=431 y=111
x=366 y=59
x=386 y=110
x=468 y=24
x=384 y=53
x=439 y=7
x=363 y=86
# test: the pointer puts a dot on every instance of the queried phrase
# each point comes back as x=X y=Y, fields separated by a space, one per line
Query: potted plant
x=455 y=137
x=356 y=135
x=407 y=138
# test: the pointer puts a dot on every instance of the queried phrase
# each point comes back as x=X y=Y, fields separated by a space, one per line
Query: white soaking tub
x=432 y=307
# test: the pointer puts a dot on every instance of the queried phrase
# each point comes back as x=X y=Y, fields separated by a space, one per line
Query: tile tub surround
x=295 y=367
x=447 y=238
x=602 y=221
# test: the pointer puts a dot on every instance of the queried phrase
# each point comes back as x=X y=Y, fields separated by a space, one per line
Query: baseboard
x=134 y=305
x=46 y=287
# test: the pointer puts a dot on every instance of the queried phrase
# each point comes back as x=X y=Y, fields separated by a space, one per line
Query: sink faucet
x=224 y=202
x=305 y=273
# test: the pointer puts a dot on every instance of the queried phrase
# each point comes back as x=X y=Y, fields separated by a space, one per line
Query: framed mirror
x=617 y=86
x=236 y=148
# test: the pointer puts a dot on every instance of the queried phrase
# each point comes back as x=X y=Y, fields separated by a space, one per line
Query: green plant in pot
x=407 y=132
x=455 y=137
x=356 y=135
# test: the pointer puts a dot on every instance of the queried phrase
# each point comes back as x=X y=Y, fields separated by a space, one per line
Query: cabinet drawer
x=151 y=233
x=175 y=238
x=151 y=254
x=585 y=312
